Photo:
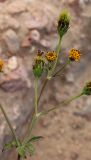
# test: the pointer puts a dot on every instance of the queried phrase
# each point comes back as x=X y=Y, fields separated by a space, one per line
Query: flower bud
x=87 y=89
x=63 y=23
x=38 y=66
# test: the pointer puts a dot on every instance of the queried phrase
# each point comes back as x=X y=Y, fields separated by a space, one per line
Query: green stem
x=61 y=69
x=33 y=122
x=36 y=95
x=62 y=103
x=43 y=87
x=49 y=74
x=58 y=46
x=57 y=51
x=9 y=124
x=34 y=118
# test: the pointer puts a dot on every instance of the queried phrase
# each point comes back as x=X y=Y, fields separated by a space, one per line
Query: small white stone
x=35 y=35
x=12 y=63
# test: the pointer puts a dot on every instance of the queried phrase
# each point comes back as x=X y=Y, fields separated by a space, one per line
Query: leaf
x=30 y=148
x=36 y=138
x=10 y=145
x=21 y=151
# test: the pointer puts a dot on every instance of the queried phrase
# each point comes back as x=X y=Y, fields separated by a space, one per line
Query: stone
x=11 y=39
x=16 y=7
x=85 y=113
x=7 y=21
x=15 y=76
x=34 y=35
x=11 y=22
x=12 y=63
x=25 y=43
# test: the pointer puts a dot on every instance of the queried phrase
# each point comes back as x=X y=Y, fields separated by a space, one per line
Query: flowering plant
x=45 y=64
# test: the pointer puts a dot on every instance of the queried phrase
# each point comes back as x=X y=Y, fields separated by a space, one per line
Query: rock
x=25 y=43
x=15 y=75
x=11 y=39
x=34 y=35
x=16 y=7
x=7 y=21
x=12 y=63
x=11 y=22
x=13 y=85
x=85 y=113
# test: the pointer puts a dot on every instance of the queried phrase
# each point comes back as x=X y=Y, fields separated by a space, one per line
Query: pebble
x=12 y=63
x=35 y=35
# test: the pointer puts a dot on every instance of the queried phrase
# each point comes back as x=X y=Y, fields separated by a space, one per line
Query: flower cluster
x=43 y=61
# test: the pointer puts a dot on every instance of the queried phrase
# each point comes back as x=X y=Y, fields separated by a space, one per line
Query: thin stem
x=48 y=77
x=36 y=95
x=57 y=51
x=42 y=89
x=35 y=115
x=9 y=124
x=61 y=69
x=61 y=103
x=33 y=122
x=58 y=46
x=34 y=118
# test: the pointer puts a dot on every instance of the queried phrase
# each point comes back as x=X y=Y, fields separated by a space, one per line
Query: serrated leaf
x=30 y=148
x=10 y=145
x=21 y=151
x=35 y=138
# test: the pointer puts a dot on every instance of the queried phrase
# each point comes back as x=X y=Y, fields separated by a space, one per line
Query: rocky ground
x=31 y=25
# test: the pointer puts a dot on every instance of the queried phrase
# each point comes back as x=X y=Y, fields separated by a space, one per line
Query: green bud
x=63 y=23
x=87 y=89
x=37 y=70
x=38 y=66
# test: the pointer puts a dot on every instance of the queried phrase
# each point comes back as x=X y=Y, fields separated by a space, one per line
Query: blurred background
x=28 y=25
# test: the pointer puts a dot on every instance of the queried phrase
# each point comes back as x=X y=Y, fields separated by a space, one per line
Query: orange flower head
x=51 y=56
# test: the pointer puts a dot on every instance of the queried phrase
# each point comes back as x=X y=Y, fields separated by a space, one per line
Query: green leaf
x=30 y=148
x=35 y=138
x=10 y=145
x=21 y=151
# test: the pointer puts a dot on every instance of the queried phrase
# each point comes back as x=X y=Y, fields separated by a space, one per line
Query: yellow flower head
x=51 y=56
x=1 y=65
x=74 y=55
